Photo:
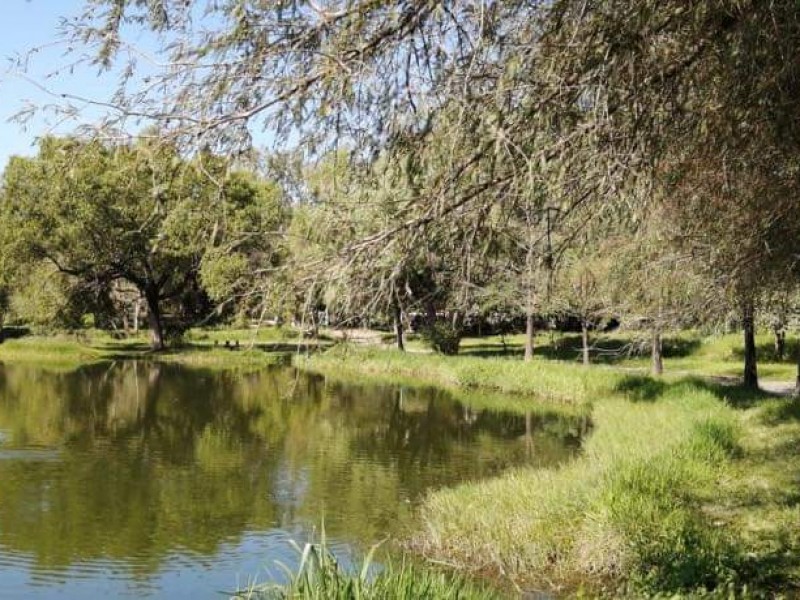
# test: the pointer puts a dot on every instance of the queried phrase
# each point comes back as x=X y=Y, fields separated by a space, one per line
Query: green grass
x=54 y=351
x=320 y=577
x=686 y=353
x=261 y=335
x=661 y=501
x=199 y=348
x=687 y=485
x=542 y=379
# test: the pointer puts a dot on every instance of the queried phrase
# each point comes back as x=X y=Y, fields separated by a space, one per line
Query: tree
x=139 y=213
x=582 y=288
x=604 y=94
x=655 y=284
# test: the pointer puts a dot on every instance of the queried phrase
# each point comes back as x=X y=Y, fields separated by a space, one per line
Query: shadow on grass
x=14 y=333
x=773 y=560
x=765 y=553
x=766 y=352
x=569 y=347
x=733 y=392
x=138 y=349
x=643 y=388
x=783 y=412
x=492 y=350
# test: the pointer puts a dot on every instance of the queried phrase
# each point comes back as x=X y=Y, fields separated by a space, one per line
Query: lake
x=140 y=479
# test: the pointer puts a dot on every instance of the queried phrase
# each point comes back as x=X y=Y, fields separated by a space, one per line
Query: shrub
x=443 y=338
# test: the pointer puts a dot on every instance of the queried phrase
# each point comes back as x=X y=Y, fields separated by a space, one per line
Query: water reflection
x=145 y=476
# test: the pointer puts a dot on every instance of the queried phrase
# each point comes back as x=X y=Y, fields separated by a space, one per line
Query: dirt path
x=782 y=388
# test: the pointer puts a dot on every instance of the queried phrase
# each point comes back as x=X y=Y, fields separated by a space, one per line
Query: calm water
x=134 y=479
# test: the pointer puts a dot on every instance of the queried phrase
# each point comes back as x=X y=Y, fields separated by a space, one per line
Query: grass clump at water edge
x=320 y=576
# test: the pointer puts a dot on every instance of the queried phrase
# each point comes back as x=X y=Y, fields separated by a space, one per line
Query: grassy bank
x=204 y=348
x=552 y=381
x=686 y=486
x=629 y=510
x=677 y=491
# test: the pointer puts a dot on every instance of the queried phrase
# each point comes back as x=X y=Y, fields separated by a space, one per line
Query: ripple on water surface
x=146 y=480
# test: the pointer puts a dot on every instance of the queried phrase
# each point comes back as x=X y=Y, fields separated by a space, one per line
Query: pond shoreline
x=685 y=485
x=161 y=469
x=660 y=501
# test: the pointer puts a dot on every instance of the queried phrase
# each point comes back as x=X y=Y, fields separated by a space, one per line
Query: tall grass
x=555 y=381
x=320 y=576
x=56 y=351
x=628 y=512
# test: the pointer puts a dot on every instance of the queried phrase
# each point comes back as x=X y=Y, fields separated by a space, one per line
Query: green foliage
x=442 y=337
x=42 y=297
x=143 y=214
x=221 y=272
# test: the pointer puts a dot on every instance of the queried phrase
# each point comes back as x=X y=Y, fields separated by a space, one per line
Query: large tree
x=140 y=213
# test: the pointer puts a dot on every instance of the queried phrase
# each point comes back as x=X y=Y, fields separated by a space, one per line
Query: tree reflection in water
x=137 y=463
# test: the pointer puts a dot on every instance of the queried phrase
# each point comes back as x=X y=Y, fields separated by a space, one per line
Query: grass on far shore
x=198 y=348
x=685 y=352
x=552 y=381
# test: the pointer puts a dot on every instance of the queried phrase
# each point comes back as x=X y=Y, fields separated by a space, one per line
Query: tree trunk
x=529 y=333
x=750 y=363
x=398 y=327
x=780 y=343
x=657 y=364
x=797 y=380
x=136 y=309
x=585 y=341
x=529 y=434
x=430 y=309
x=154 y=318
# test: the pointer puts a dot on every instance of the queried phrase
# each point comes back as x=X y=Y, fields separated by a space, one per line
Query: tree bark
x=430 y=309
x=780 y=343
x=398 y=327
x=154 y=319
x=529 y=333
x=529 y=434
x=458 y=320
x=136 y=310
x=657 y=364
x=750 y=360
x=797 y=380
x=585 y=341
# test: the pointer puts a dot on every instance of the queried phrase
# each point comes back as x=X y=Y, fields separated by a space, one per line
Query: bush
x=443 y=338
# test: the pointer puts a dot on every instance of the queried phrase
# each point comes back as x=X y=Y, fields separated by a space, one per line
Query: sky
x=26 y=24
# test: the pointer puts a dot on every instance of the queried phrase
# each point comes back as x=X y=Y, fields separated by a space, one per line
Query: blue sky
x=30 y=24
x=25 y=24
